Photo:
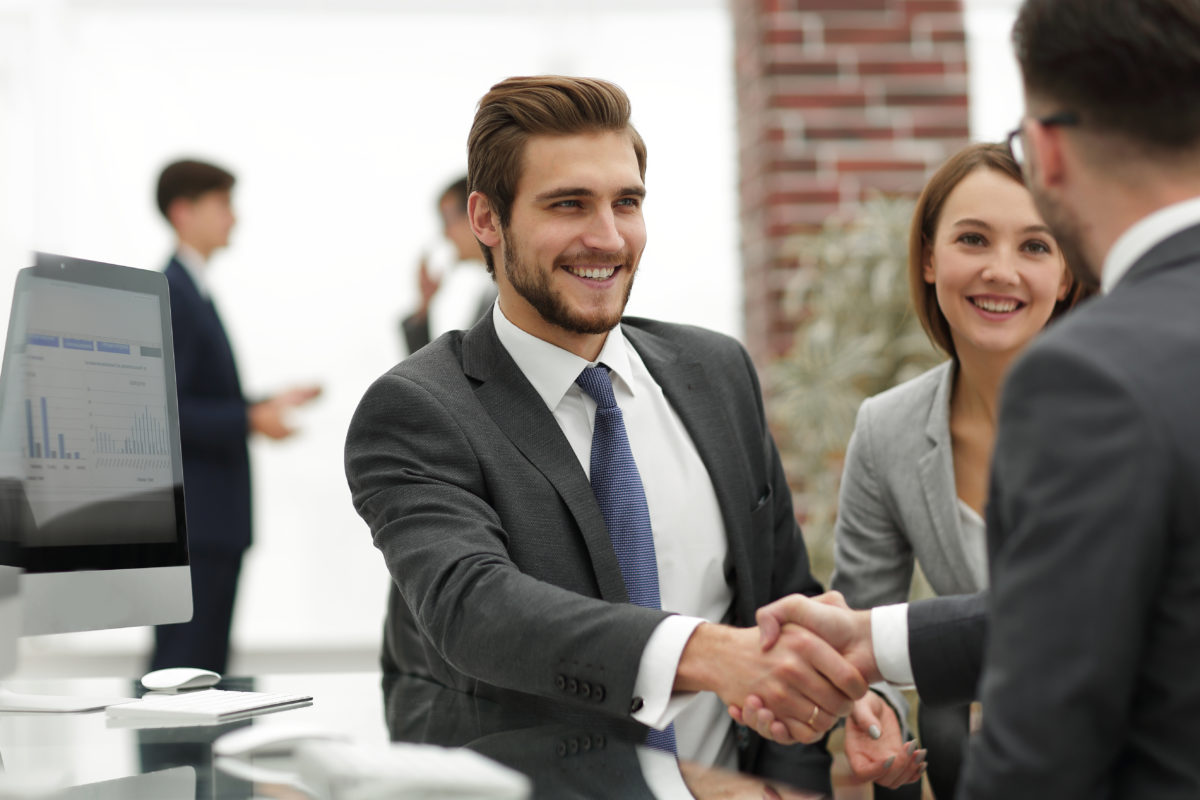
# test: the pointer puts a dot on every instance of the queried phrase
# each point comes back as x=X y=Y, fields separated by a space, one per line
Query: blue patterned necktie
x=622 y=500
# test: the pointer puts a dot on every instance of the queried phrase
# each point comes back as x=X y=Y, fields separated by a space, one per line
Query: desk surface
x=570 y=757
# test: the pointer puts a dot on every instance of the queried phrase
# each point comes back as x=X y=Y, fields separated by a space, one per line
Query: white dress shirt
x=889 y=624
x=195 y=265
x=689 y=534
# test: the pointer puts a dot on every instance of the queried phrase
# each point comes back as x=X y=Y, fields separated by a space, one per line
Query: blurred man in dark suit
x=214 y=417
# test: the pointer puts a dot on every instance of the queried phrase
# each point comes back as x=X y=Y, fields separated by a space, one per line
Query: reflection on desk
x=566 y=756
x=569 y=754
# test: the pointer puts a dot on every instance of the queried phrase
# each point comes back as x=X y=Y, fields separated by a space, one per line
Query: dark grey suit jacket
x=505 y=581
x=1091 y=678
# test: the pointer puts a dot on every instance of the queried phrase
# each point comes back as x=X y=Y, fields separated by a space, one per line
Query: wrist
x=709 y=647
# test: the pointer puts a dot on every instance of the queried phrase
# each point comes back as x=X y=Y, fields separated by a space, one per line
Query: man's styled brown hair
x=924 y=227
x=189 y=179
x=546 y=105
x=1129 y=68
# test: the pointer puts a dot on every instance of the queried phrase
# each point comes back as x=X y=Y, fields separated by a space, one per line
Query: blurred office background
x=343 y=121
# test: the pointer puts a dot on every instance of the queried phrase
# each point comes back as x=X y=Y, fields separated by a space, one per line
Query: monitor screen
x=90 y=417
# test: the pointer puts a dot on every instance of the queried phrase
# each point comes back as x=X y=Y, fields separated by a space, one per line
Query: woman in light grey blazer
x=985 y=276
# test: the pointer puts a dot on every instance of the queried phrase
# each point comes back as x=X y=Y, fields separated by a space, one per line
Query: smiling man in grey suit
x=471 y=460
x=1091 y=671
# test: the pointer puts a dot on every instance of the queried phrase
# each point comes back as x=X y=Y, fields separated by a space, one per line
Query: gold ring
x=812 y=718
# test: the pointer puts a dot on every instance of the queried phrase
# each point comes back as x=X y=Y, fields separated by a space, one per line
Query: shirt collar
x=1143 y=235
x=550 y=369
x=194 y=264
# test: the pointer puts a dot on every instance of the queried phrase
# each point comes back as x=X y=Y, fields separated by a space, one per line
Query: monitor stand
x=10 y=630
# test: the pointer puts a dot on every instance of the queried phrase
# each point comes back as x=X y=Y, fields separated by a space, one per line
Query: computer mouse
x=174 y=678
x=270 y=740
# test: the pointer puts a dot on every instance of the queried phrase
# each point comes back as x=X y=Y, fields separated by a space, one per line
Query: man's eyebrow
x=580 y=191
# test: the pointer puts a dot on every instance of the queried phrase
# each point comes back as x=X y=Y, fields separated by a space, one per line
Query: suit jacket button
x=572 y=686
x=585 y=688
x=586 y=744
x=560 y=681
x=636 y=705
x=599 y=741
x=573 y=746
x=598 y=693
x=561 y=748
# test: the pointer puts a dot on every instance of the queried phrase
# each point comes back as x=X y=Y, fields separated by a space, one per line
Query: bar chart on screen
x=94 y=418
x=95 y=409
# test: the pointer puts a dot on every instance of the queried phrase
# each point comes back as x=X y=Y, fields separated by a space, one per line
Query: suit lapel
x=936 y=468
x=520 y=413
x=686 y=386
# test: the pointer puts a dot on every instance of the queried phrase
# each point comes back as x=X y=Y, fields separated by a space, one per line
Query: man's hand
x=804 y=680
x=885 y=759
x=828 y=616
x=269 y=416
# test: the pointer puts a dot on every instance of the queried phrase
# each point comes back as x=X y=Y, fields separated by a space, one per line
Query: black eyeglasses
x=1016 y=144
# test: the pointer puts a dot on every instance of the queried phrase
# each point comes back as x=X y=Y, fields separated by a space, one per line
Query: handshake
x=807 y=665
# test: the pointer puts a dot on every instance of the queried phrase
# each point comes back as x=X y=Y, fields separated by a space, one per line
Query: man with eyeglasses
x=1089 y=643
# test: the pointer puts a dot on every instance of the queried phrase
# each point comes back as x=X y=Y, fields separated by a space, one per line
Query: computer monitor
x=89 y=414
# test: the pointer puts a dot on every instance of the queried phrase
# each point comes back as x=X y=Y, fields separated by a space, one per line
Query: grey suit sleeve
x=1078 y=520
x=873 y=559
x=418 y=481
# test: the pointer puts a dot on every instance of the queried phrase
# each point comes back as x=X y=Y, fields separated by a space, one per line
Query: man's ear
x=485 y=224
x=1046 y=162
x=178 y=211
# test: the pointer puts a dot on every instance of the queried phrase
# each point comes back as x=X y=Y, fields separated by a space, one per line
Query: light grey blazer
x=898 y=502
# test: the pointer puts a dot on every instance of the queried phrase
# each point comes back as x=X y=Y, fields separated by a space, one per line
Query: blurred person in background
x=457 y=298
x=215 y=418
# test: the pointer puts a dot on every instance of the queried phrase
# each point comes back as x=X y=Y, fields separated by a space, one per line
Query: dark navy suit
x=216 y=473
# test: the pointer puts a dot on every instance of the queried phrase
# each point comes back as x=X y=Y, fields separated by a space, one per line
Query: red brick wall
x=835 y=98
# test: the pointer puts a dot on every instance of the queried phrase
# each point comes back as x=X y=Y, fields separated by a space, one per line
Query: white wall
x=343 y=121
x=994 y=79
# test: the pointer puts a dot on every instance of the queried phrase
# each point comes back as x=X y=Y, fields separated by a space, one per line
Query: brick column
x=836 y=98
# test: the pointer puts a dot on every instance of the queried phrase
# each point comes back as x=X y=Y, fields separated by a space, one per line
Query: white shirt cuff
x=656 y=672
x=889 y=638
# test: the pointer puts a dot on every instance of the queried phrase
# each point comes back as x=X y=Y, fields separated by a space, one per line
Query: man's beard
x=1068 y=232
x=533 y=284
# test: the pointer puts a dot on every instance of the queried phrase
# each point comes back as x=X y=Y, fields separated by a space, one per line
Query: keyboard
x=203 y=707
